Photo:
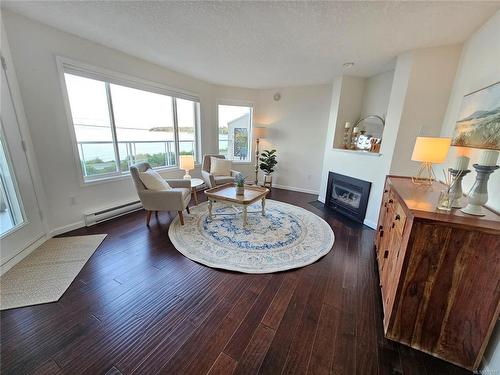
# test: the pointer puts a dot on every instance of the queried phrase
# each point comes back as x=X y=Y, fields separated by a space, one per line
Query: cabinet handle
x=385 y=191
x=391 y=201
x=397 y=217
x=386 y=254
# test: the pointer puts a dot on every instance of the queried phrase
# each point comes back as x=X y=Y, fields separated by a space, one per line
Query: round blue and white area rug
x=286 y=237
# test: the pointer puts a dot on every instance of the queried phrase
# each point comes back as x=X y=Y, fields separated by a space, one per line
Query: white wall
x=376 y=100
x=377 y=94
x=479 y=67
x=349 y=103
x=297 y=126
x=429 y=86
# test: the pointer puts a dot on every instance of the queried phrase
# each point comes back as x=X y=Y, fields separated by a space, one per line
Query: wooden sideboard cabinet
x=439 y=273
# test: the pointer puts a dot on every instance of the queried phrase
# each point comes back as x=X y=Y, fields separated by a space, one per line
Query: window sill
x=125 y=176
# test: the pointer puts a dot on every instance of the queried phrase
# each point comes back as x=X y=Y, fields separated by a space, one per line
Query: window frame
x=237 y=103
x=23 y=218
x=70 y=66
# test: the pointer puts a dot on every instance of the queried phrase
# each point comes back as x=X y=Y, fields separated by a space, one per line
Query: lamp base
x=473 y=209
x=425 y=175
x=187 y=176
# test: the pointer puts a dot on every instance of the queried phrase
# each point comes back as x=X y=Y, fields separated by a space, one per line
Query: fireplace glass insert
x=348 y=195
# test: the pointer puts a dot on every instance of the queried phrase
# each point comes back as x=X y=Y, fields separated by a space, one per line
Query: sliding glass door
x=20 y=216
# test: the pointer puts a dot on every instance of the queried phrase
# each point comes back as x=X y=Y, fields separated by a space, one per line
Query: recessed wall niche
x=363 y=99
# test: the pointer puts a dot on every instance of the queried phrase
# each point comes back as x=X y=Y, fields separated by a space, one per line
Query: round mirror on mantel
x=370 y=133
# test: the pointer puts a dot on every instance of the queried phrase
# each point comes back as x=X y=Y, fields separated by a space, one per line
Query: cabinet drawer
x=399 y=219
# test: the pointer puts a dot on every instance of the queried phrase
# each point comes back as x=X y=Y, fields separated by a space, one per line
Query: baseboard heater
x=92 y=218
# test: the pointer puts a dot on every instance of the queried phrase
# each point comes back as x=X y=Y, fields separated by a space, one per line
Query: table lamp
x=186 y=162
x=429 y=150
x=259 y=132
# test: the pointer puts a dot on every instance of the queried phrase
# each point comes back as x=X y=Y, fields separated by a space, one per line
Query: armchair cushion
x=175 y=199
x=208 y=178
x=219 y=180
x=153 y=181
x=220 y=167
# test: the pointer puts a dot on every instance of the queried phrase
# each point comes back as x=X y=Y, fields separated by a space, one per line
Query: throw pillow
x=220 y=167
x=153 y=181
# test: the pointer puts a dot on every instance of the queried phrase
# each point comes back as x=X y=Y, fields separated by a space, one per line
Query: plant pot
x=268 y=181
x=240 y=190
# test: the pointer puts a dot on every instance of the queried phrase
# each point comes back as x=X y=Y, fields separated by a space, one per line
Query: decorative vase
x=240 y=190
x=479 y=192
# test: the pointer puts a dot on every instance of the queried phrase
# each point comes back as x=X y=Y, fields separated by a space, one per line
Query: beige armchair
x=176 y=199
x=211 y=180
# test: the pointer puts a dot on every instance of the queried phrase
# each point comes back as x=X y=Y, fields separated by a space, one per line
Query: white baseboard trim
x=66 y=228
x=370 y=224
x=293 y=188
x=22 y=254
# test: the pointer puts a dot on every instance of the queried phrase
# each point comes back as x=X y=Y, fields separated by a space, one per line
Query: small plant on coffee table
x=239 y=180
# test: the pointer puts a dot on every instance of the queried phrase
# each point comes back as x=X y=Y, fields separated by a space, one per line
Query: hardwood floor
x=139 y=306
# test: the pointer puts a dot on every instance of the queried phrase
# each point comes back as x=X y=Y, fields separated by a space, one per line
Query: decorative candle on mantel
x=355 y=130
x=489 y=158
x=462 y=163
x=347 y=125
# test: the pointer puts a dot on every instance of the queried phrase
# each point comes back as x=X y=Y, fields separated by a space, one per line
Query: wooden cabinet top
x=421 y=202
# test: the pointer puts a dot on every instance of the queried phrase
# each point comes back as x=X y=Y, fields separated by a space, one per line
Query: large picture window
x=117 y=126
x=235 y=132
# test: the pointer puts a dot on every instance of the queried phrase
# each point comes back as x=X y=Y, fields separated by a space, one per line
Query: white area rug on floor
x=287 y=237
x=45 y=274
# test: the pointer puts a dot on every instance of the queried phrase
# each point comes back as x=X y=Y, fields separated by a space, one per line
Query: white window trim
x=10 y=166
x=236 y=102
x=67 y=65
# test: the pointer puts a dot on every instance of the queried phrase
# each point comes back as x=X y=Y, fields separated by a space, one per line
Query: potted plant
x=239 y=180
x=267 y=163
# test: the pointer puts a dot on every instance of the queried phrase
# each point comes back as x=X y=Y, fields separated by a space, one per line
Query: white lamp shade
x=186 y=162
x=260 y=132
x=431 y=149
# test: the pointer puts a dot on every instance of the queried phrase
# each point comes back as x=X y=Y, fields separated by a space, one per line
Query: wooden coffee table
x=227 y=193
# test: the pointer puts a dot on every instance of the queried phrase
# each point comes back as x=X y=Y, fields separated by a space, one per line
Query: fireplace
x=347 y=195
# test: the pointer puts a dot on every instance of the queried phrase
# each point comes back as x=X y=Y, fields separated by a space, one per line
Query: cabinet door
x=390 y=274
x=392 y=258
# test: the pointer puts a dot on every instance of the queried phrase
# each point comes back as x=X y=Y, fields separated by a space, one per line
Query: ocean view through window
x=116 y=126
x=235 y=131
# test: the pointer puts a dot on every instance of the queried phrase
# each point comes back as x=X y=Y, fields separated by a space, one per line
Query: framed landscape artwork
x=478 y=122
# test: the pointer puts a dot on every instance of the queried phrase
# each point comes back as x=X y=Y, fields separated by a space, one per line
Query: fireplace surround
x=347 y=195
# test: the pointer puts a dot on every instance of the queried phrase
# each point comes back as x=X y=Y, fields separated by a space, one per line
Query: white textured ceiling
x=264 y=44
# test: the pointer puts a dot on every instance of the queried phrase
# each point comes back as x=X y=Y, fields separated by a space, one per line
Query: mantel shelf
x=357 y=152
